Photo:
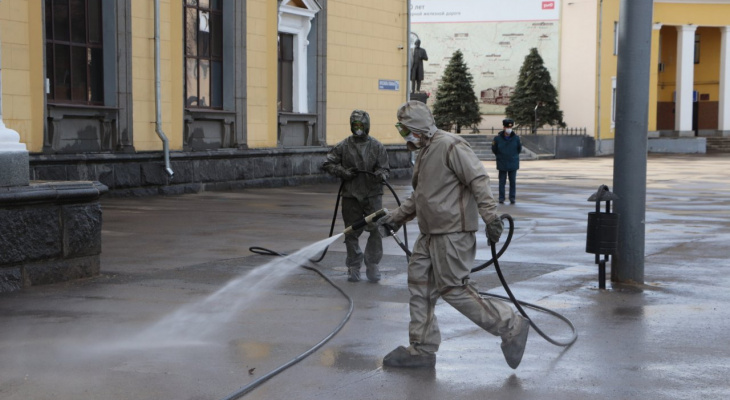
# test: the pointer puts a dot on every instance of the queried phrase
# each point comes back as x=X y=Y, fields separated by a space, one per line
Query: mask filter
x=407 y=135
x=412 y=139
x=357 y=128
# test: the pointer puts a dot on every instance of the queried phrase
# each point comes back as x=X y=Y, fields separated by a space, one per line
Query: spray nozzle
x=367 y=220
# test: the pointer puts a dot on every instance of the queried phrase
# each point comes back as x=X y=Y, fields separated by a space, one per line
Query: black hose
x=507 y=241
x=495 y=256
x=264 y=251
x=519 y=303
x=253 y=385
x=337 y=204
x=397 y=200
x=334 y=219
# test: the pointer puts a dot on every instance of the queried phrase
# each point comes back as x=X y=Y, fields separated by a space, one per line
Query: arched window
x=295 y=22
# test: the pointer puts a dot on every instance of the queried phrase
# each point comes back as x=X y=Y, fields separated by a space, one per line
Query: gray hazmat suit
x=450 y=191
x=362 y=162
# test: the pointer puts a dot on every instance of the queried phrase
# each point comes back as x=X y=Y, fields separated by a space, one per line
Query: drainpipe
x=598 y=116
x=408 y=51
x=158 y=107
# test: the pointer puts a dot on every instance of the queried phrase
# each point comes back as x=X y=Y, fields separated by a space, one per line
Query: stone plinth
x=49 y=232
x=420 y=96
x=14 y=170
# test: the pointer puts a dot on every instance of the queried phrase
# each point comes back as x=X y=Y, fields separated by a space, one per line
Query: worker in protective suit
x=450 y=191
x=362 y=163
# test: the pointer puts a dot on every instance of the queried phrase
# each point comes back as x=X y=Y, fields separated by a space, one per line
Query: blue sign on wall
x=388 y=84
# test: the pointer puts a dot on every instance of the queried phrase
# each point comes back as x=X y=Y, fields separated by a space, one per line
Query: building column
x=723 y=123
x=13 y=154
x=654 y=78
x=685 y=80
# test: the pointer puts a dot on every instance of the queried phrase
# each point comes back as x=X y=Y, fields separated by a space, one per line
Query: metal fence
x=525 y=130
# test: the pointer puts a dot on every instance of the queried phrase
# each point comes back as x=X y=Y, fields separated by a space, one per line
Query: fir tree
x=535 y=89
x=456 y=104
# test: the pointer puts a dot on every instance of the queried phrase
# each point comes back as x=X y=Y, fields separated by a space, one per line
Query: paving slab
x=184 y=310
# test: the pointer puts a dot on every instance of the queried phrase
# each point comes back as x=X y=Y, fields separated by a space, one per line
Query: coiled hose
x=518 y=303
x=495 y=256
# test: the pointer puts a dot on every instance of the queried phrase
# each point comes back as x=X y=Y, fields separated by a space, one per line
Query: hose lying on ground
x=519 y=303
x=495 y=256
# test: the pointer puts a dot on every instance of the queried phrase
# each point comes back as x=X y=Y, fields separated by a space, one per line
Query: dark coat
x=507 y=150
x=419 y=56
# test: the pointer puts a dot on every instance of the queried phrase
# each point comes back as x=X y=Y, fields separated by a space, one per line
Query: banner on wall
x=494 y=35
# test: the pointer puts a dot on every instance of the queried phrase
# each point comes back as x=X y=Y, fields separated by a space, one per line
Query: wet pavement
x=183 y=309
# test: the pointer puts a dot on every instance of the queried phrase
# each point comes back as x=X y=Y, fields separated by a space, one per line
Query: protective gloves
x=494 y=230
x=348 y=174
x=386 y=225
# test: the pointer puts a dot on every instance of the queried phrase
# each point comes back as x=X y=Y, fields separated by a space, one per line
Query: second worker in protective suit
x=362 y=163
x=450 y=192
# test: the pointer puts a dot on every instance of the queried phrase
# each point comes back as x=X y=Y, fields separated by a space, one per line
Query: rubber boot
x=353 y=274
x=403 y=357
x=513 y=343
x=373 y=273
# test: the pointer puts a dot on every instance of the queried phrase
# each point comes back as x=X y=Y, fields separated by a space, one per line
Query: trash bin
x=602 y=234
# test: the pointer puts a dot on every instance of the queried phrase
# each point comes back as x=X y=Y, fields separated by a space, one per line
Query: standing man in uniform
x=362 y=163
x=450 y=192
x=507 y=147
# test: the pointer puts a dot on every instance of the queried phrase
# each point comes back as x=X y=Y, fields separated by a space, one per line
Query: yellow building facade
x=689 y=89
x=98 y=91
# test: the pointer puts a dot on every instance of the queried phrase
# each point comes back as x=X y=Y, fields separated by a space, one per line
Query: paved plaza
x=183 y=310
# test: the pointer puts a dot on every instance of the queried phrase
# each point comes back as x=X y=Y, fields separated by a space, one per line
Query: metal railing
x=525 y=130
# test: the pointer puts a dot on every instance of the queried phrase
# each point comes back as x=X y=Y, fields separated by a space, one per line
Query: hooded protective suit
x=450 y=191
x=362 y=192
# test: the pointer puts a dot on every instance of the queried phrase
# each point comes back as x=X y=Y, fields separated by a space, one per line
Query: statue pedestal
x=420 y=96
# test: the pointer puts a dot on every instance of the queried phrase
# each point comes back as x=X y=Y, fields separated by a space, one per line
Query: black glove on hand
x=494 y=230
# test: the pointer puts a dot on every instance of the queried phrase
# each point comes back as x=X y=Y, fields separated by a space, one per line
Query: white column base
x=14 y=168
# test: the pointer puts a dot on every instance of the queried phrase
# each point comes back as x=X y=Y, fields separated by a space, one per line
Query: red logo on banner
x=548 y=5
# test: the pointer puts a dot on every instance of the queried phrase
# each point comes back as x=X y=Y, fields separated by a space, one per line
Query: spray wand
x=373 y=218
x=365 y=221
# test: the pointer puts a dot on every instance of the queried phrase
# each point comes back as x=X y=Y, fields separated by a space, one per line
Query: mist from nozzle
x=196 y=321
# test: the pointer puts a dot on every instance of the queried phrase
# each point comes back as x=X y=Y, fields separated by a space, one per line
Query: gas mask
x=358 y=128
x=407 y=135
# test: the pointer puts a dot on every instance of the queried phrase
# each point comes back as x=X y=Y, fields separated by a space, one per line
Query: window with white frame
x=295 y=18
x=613 y=102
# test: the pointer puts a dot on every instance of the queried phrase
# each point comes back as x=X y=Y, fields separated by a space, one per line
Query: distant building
x=499 y=95
x=690 y=55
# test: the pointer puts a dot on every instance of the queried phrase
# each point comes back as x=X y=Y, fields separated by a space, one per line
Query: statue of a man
x=418 y=57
